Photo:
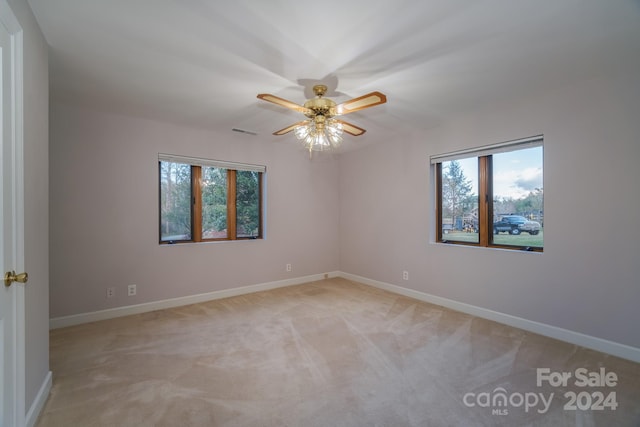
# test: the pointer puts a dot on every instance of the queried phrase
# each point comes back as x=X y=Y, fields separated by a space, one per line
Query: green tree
x=247 y=203
x=532 y=204
x=504 y=205
x=175 y=199
x=456 y=190
x=214 y=199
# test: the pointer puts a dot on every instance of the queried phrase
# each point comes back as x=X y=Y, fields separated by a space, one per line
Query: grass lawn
x=522 y=239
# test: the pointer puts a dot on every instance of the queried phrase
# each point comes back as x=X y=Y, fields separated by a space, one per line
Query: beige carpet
x=330 y=353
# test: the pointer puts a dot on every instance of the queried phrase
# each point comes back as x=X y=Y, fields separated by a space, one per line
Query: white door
x=11 y=231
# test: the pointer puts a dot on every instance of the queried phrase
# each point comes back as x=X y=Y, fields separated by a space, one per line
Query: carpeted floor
x=328 y=354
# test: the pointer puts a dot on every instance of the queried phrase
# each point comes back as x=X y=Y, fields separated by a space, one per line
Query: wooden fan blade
x=284 y=103
x=351 y=129
x=365 y=101
x=289 y=128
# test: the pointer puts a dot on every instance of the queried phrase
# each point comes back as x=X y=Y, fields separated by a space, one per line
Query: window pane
x=214 y=203
x=175 y=201
x=518 y=205
x=248 y=204
x=460 y=200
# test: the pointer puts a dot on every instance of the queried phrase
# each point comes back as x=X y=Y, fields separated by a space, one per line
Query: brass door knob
x=11 y=276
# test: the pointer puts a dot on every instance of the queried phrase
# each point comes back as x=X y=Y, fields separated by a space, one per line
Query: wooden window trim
x=196 y=204
x=260 y=229
x=485 y=209
x=485 y=215
x=232 y=216
x=439 y=202
x=196 y=208
x=259 y=236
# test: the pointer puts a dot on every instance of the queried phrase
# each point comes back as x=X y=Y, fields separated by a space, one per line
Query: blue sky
x=515 y=173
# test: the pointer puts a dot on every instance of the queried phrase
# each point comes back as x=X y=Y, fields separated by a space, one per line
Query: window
x=492 y=196
x=207 y=200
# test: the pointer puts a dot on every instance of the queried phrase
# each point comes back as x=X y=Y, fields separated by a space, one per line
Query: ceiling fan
x=322 y=131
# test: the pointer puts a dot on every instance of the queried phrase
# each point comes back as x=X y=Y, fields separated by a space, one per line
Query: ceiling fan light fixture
x=303 y=130
x=320 y=135
x=321 y=131
x=334 y=130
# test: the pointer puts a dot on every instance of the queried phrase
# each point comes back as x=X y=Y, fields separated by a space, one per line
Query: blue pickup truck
x=516 y=224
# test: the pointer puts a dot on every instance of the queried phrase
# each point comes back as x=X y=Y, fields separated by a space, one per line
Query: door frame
x=11 y=23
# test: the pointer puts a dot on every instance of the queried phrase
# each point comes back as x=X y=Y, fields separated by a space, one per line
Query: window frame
x=485 y=190
x=196 y=165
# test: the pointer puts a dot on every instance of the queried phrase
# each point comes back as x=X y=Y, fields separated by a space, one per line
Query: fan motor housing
x=320 y=110
x=322 y=106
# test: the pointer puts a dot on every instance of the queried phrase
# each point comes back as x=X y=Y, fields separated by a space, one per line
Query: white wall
x=36 y=201
x=587 y=278
x=104 y=213
x=368 y=213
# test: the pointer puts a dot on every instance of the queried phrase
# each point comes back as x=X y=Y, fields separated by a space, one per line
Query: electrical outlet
x=288 y=267
x=111 y=292
x=131 y=290
x=405 y=275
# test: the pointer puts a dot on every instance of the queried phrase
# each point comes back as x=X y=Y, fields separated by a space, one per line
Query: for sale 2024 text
x=595 y=400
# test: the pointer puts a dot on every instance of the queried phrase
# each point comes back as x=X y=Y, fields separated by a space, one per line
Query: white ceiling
x=202 y=63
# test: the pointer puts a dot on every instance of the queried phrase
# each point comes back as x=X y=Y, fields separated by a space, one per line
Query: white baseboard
x=77 y=319
x=39 y=401
x=588 y=341
x=594 y=343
